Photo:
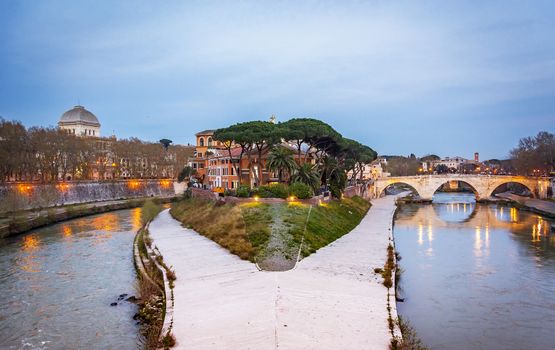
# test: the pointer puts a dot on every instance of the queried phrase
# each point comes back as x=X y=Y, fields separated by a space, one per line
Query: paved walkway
x=539 y=204
x=331 y=300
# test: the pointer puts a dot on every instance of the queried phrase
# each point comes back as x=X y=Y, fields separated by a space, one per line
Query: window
x=209 y=141
x=201 y=142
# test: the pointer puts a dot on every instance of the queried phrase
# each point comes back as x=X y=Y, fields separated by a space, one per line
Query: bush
x=274 y=191
x=301 y=190
x=243 y=191
x=230 y=193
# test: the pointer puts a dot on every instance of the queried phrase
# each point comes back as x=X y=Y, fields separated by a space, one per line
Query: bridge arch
x=459 y=181
x=525 y=184
x=404 y=183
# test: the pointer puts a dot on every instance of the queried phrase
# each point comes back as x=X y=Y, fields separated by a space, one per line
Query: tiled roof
x=205 y=132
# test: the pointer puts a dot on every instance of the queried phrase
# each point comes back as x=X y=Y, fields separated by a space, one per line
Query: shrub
x=301 y=190
x=273 y=191
x=243 y=191
x=230 y=193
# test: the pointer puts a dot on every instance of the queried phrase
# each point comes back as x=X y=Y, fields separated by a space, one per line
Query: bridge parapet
x=482 y=185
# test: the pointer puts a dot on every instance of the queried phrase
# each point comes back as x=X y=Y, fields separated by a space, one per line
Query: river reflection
x=57 y=283
x=476 y=276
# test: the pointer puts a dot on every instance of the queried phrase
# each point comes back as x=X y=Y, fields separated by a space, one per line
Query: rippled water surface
x=57 y=283
x=476 y=276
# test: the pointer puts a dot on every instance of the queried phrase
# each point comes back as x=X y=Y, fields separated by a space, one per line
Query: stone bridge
x=482 y=185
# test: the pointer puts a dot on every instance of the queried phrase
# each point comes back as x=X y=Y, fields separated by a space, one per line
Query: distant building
x=451 y=162
x=80 y=122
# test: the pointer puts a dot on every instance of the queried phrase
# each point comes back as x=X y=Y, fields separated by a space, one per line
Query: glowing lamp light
x=292 y=198
x=256 y=198
x=114 y=164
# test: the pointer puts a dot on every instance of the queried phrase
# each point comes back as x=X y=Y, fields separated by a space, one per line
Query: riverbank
x=21 y=222
x=271 y=234
x=332 y=299
x=538 y=206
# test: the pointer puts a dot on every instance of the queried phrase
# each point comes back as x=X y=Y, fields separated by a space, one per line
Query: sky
x=442 y=77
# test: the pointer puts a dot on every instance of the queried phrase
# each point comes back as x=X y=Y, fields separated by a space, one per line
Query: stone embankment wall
x=24 y=196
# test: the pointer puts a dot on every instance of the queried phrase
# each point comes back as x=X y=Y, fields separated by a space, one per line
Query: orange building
x=215 y=168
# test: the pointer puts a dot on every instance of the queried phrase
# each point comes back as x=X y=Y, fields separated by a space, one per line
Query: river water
x=476 y=276
x=57 y=284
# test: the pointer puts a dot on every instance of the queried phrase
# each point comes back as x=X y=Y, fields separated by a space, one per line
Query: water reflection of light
x=430 y=233
x=514 y=215
x=30 y=243
x=106 y=222
x=136 y=219
x=420 y=233
x=66 y=229
x=29 y=261
x=539 y=229
x=464 y=208
x=477 y=241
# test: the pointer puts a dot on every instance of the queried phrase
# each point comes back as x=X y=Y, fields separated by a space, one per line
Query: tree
x=186 y=173
x=235 y=137
x=263 y=136
x=535 y=155
x=315 y=133
x=442 y=169
x=307 y=174
x=165 y=143
x=281 y=160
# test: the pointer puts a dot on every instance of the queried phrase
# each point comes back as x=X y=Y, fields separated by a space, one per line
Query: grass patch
x=149 y=211
x=330 y=221
x=224 y=224
x=257 y=218
x=244 y=229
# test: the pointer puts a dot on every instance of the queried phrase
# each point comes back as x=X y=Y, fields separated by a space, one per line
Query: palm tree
x=307 y=174
x=281 y=160
x=329 y=167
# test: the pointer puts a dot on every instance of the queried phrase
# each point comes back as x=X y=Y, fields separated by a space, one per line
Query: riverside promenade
x=330 y=300
x=541 y=206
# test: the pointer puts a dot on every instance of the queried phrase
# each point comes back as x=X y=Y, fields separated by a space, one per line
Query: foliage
x=308 y=175
x=186 y=173
x=278 y=190
x=149 y=211
x=535 y=155
x=50 y=154
x=243 y=191
x=410 y=340
x=281 y=160
x=165 y=143
x=337 y=183
x=300 y=190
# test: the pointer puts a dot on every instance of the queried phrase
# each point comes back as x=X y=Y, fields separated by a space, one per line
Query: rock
x=113 y=304
x=132 y=299
x=136 y=316
x=121 y=296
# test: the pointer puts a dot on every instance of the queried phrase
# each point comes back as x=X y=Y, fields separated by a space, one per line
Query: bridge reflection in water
x=476 y=275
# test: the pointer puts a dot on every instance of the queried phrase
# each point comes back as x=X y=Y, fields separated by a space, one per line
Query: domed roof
x=79 y=114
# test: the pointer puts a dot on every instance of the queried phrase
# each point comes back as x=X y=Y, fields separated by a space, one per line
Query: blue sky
x=421 y=77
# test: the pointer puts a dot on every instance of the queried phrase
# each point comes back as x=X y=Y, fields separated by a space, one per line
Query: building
x=216 y=168
x=122 y=159
x=81 y=122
